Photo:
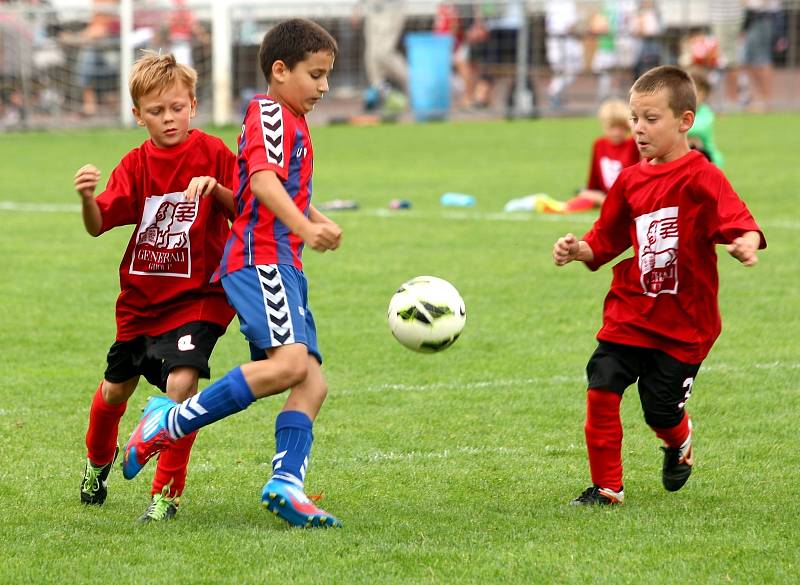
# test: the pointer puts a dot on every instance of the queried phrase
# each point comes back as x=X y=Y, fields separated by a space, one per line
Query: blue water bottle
x=457 y=200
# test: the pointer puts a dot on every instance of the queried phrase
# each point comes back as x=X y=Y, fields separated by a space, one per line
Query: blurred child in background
x=701 y=134
x=611 y=153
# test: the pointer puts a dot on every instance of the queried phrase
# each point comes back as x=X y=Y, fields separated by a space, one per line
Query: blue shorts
x=271 y=301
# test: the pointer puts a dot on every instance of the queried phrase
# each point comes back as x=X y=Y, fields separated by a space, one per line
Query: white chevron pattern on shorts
x=276 y=305
x=271 y=119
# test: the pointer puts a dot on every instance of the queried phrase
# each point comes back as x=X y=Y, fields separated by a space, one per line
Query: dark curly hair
x=291 y=41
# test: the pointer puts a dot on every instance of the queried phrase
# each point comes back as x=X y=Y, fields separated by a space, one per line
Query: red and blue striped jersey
x=273 y=139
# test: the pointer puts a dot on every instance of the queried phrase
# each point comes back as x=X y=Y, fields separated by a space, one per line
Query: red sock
x=172 y=464
x=675 y=436
x=577 y=204
x=604 y=438
x=101 y=437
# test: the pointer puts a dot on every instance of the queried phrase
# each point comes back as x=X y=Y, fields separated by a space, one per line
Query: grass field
x=451 y=468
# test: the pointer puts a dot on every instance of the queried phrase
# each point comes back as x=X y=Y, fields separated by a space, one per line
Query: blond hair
x=614 y=112
x=156 y=71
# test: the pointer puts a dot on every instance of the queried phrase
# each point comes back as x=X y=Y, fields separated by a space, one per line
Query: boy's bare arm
x=316 y=216
x=204 y=186
x=86 y=180
x=569 y=248
x=268 y=189
x=745 y=248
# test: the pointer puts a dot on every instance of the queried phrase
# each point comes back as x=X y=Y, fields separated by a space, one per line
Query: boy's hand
x=565 y=249
x=322 y=236
x=200 y=187
x=744 y=249
x=86 y=180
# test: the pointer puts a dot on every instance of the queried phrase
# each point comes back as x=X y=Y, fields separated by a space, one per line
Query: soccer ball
x=427 y=314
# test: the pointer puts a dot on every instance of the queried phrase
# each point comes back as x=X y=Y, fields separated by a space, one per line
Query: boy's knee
x=118 y=392
x=182 y=383
x=293 y=365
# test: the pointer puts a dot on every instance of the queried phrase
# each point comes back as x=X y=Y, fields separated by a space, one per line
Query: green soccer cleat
x=161 y=508
x=94 y=486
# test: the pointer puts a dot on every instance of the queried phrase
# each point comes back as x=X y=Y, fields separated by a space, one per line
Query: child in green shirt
x=701 y=134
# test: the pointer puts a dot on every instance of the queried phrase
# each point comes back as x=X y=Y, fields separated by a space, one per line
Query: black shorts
x=154 y=358
x=665 y=383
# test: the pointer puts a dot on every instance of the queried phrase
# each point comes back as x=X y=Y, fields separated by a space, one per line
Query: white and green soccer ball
x=427 y=314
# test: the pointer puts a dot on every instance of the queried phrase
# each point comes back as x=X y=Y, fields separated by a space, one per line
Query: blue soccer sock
x=228 y=395
x=293 y=438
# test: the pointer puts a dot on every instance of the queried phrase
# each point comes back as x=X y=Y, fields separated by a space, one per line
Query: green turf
x=451 y=468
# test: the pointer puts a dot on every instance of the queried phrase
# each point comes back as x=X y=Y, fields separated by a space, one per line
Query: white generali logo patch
x=163 y=246
x=657 y=236
x=185 y=343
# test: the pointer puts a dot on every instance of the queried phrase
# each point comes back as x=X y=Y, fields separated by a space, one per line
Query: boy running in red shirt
x=661 y=315
x=262 y=273
x=175 y=189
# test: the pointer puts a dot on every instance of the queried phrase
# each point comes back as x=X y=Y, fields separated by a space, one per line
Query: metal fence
x=65 y=64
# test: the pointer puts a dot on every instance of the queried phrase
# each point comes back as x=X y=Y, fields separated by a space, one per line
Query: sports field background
x=451 y=468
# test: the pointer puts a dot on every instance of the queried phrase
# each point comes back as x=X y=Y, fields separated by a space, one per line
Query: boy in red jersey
x=661 y=315
x=611 y=153
x=175 y=189
x=261 y=271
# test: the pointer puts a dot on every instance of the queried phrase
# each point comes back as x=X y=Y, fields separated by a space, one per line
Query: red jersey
x=272 y=139
x=608 y=160
x=165 y=272
x=673 y=214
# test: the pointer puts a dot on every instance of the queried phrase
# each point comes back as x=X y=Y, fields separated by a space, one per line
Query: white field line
x=16 y=206
x=40 y=207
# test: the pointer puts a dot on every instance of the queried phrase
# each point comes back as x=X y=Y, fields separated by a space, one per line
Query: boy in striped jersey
x=261 y=271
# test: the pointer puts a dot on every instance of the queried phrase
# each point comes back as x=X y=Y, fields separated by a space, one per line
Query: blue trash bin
x=429 y=67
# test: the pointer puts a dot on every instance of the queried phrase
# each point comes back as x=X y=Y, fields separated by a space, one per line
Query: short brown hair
x=159 y=71
x=291 y=41
x=682 y=95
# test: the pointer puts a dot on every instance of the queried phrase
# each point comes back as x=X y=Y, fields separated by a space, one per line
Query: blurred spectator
x=701 y=49
x=499 y=49
x=759 y=42
x=383 y=22
x=564 y=50
x=603 y=30
x=173 y=30
x=16 y=48
x=611 y=27
x=726 y=23
x=649 y=28
x=449 y=21
x=98 y=55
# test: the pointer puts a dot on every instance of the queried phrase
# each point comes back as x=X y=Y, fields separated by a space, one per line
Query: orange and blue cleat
x=290 y=503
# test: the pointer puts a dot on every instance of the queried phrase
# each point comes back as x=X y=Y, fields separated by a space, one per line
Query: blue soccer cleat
x=290 y=503
x=149 y=437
